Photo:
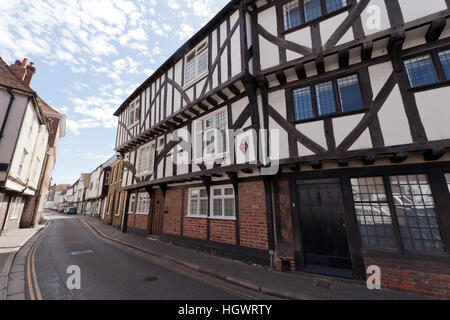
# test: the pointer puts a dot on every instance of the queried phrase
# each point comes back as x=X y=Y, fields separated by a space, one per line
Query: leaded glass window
x=421 y=71
x=326 y=102
x=350 y=93
x=303 y=104
x=291 y=13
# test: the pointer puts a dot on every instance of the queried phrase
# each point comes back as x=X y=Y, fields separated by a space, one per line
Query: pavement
x=11 y=263
x=298 y=286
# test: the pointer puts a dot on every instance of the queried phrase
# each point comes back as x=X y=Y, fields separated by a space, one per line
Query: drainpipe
x=11 y=99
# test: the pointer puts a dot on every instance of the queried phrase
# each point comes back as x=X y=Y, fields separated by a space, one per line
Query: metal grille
x=416 y=213
x=326 y=103
x=373 y=213
x=303 y=104
x=420 y=71
x=444 y=57
x=350 y=93
x=333 y=5
x=313 y=9
x=291 y=13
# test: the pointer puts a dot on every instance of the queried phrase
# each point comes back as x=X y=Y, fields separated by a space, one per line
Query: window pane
x=203 y=207
x=372 y=213
x=189 y=72
x=350 y=93
x=313 y=9
x=333 y=5
x=291 y=11
x=447 y=177
x=229 y=191
x=420 y=71
x=416 y=213
x=217 y=192
x=229 y=207
x=203 y=193
x=194 y=193
x=217 y=207
x=444 y=57
x=325 y=98
x=303 y=104
x=202 y=63
x=222 y=139
x=194 y=207
x=209 y=142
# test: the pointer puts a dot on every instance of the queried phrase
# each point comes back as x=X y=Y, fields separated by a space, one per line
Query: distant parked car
x=71 y=210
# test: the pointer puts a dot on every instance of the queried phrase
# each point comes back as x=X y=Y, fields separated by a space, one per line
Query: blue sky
x=90 y=55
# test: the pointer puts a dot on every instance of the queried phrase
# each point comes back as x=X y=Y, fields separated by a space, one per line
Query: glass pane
x=303 y=104
x=217 y=207
x=229 y=207
x=202 y=63
x=229 y=191
x=325 y=98
x=189 y=72
x=333 y=5
x=194 y=207
x=203 y=193
x=217 y=192
x=447 y=177
x=222 y=139
x=416 y=213
x=444 y=57
x=194 y=193
x=420 y=71
x=203 y=207
x=350 y=93
x=313 y=9
x=291 y=11
x=209 y=142
x=373 y=214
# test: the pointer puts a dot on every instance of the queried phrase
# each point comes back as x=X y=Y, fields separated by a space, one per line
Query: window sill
x=430 y=86
x=209 y=159
x=331 y=115
x=197 y=217
x=223 y=218
x=141 y=213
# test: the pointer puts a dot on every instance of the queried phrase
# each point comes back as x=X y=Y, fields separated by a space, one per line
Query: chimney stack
x=23 y=70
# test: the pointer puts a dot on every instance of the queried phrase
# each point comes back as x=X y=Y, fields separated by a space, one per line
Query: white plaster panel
x=278 y=101
x=415 y=9
x=315 y=131
x=435 y=112
x=378 y=74
x=344 y=125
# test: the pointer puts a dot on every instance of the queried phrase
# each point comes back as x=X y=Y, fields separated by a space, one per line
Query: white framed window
x=143 y=203
x=134 y=111
x=16 y=208
x=132 y=202
x=211 y=136
x=161 y=142
x=196 y=63
x=107 y=175
x=222 y=202
x=22 y=162
x=198 y=203
x=146 y=159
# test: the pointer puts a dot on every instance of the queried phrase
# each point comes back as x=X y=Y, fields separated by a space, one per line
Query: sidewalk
x=10 y=244
x=284 y=285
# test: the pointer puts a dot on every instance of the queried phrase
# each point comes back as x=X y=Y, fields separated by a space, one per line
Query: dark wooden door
x=157 y=213
x=325 y=244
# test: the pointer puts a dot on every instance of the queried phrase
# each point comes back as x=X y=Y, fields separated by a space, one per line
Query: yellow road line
x=91 y=228
x=31 y=274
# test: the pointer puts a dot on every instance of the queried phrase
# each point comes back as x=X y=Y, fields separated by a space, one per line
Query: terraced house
x=310 y=134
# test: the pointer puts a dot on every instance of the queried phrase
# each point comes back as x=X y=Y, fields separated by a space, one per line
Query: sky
x=90 y=55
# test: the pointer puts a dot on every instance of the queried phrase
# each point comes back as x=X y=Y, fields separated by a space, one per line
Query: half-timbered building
x=313 y=134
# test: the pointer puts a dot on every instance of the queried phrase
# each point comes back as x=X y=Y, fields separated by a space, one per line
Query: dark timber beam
x=344 y=58
x=342 y=162
x=300 y=71
x=316 y=164
x=399 y=157
x=435 y=30
x=281 y=77
x=212 y=101
x=366 y=51
x=203 y=107
x=320 y=65
x=433 y=154
x=222 y=96
x=294 y=166
x=369 y=159
x=234 y=89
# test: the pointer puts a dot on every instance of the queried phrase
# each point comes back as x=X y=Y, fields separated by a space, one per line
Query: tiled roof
x=9 y=79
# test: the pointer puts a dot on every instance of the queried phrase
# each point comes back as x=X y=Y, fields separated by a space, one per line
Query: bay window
x=196 y=63
x=210 y=136
x=146 y=157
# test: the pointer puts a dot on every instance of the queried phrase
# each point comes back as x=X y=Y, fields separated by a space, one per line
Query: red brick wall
x=173 y=208
x=252 y=215
x=420 y=277
x=138 y=221
x=223 y=231
x=195 y=228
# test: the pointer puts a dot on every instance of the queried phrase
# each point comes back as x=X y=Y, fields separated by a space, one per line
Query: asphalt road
x=111 y=271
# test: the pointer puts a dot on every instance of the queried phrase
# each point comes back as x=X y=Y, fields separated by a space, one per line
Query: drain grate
x=82 y=252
